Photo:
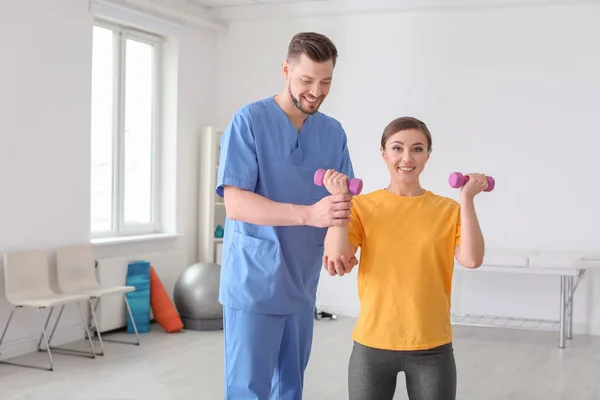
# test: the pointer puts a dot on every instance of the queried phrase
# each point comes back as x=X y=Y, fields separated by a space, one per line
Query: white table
x=570 y=268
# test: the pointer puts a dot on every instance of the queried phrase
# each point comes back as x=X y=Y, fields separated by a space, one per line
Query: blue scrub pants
x=266 y=354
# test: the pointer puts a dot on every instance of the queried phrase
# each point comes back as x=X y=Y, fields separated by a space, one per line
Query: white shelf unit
x=211 y=207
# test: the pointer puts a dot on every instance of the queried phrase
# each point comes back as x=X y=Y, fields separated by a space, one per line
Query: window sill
x=135 y=238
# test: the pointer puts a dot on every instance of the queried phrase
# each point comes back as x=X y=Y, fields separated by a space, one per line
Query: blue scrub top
x=276 y=269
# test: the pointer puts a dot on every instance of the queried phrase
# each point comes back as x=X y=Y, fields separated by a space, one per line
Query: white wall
x=510 y=91
x=45 y=81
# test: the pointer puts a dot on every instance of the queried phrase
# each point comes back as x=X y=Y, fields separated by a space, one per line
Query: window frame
x=121 y=33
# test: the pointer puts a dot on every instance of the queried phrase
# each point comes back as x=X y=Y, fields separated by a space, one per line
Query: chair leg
x=39 y=310
x=137 y=336
x=62 y=308
x=87 y=332
x=12 y=312
x=93 y=312
x=93 y=309
x=44 y=336
x=46 y=327
x=73 y=352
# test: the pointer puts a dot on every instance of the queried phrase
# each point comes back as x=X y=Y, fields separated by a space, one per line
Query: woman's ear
x=382 y=150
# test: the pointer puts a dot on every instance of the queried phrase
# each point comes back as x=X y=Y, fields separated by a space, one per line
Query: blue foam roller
x=138 y=275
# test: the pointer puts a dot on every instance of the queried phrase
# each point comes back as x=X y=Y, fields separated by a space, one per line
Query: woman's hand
x=340 y=267
x=476 y=184
x=335 y=182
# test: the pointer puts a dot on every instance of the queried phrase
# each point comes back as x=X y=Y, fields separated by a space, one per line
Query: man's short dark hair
x=318 y=47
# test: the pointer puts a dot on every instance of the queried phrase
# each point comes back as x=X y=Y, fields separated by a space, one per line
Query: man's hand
x=340 y=266
x=332 y=210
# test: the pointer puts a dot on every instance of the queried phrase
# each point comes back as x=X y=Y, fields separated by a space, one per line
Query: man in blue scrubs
x=276 y=224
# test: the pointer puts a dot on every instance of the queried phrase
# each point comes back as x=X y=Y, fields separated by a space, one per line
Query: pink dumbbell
x=457 y=180
x=354 y=185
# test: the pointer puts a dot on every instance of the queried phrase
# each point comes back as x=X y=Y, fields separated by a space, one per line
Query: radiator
x=111 y=312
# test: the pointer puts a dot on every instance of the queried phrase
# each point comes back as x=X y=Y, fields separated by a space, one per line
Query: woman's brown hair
x=402 y=124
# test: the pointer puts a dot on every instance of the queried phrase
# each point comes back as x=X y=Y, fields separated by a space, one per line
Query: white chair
x=76 y=274
x=27 y=284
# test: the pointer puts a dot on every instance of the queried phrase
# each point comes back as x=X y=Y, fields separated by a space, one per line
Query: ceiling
x=240 y=3
x=222 y=4
x=216 y=14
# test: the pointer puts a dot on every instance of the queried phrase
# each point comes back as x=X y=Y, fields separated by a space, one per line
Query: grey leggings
x=430 y=374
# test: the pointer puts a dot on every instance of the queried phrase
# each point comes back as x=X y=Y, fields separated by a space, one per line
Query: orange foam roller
x=163 y=308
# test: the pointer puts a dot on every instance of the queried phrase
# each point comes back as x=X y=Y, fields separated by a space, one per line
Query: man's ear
x=285 y=69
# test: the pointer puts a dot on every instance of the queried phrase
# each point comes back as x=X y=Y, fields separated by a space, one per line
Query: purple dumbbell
x=457 y=180
x=354 y=185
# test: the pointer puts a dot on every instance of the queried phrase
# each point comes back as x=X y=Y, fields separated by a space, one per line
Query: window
x=124 y=165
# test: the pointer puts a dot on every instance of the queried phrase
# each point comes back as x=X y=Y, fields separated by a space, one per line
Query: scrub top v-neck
x=296 y=137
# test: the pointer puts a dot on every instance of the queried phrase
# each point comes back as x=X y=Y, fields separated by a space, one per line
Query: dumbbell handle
x=457 y=180
x=354 y=185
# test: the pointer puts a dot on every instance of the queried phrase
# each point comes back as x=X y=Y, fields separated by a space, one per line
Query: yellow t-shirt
x=405 y=271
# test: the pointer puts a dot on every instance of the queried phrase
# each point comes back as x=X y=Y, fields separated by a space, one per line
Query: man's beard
x=298 y=104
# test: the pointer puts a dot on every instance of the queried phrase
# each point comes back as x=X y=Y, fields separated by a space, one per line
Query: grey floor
x=493 y=364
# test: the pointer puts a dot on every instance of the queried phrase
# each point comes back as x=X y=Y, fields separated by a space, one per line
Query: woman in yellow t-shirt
x=408 y=239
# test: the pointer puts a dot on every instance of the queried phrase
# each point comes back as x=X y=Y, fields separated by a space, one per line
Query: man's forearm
x=253 y=208
x=472 y=246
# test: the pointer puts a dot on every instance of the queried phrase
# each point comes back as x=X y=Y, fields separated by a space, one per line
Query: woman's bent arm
x=471 y=249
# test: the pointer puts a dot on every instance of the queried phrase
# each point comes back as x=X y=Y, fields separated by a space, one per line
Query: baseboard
x=20 y=347
x=586 y=329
